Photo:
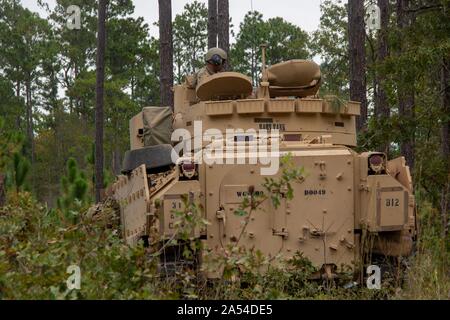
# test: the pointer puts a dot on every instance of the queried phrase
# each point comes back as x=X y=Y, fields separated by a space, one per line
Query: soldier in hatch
x=215 y=61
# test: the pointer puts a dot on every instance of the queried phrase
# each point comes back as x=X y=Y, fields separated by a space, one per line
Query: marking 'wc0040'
x=344 y=197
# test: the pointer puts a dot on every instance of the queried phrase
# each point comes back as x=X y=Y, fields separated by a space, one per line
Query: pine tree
x=212 y=23
x=405 y=90
x=13 y=166
x=74 y=188
x=382 y=111
x=21 y=167
x=101 y=44
x=356 y=41
x=166 y=52
x=223 y=30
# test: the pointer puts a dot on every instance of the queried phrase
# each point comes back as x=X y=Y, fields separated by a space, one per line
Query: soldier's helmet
x=216 y=56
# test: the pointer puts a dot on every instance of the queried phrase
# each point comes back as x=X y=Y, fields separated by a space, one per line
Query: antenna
x=263 y=91
x=263 y=62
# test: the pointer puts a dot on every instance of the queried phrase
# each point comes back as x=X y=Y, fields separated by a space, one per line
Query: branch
x=424 y=8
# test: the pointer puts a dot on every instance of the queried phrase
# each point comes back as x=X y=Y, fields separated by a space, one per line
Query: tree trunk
x=2 y=190
x=18 y=122
x=166 y=52
x=116 y=160
x=101 y=44
x=445 y=146
x=405 y=91
x=224 y=28
x=406 y=112
x=382 y=110
x=30 y=134
x=212 y=23
x=356 y=39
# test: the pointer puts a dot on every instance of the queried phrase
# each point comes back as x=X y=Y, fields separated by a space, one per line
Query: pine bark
x=356 y=36
x=223 y=21
x=30 y=128
x=18 y=120
x=101 y=44
x=382 y=110
x=166 y=52
x=212 y=23
x=405 y=91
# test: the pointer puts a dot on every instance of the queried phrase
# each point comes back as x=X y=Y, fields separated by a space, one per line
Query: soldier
x=215 y=61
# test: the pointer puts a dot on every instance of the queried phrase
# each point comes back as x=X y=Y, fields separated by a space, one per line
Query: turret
x=286 y=100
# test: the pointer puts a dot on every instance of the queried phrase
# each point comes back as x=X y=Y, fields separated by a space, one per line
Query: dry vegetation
x=38 y=244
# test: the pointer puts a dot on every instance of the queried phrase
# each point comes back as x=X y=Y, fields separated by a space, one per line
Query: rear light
x=187 y=166
x=188 y=169
x=376 y=163
x=376 y=160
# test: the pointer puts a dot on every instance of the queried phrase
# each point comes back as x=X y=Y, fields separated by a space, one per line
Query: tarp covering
x=157 y=125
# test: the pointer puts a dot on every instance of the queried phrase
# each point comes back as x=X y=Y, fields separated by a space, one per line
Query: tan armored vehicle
x=225 y=126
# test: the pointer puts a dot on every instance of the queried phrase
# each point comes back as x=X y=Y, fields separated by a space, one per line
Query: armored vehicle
x=223 y=125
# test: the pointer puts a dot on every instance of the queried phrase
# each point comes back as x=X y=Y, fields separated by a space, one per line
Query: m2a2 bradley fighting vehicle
x=343 y=198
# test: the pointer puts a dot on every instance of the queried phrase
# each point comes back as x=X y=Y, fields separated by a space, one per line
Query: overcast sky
x=304 y=13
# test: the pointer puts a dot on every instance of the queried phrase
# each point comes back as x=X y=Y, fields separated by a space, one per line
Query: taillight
x=187 y=166
x=377 y=163
x=188 y=169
